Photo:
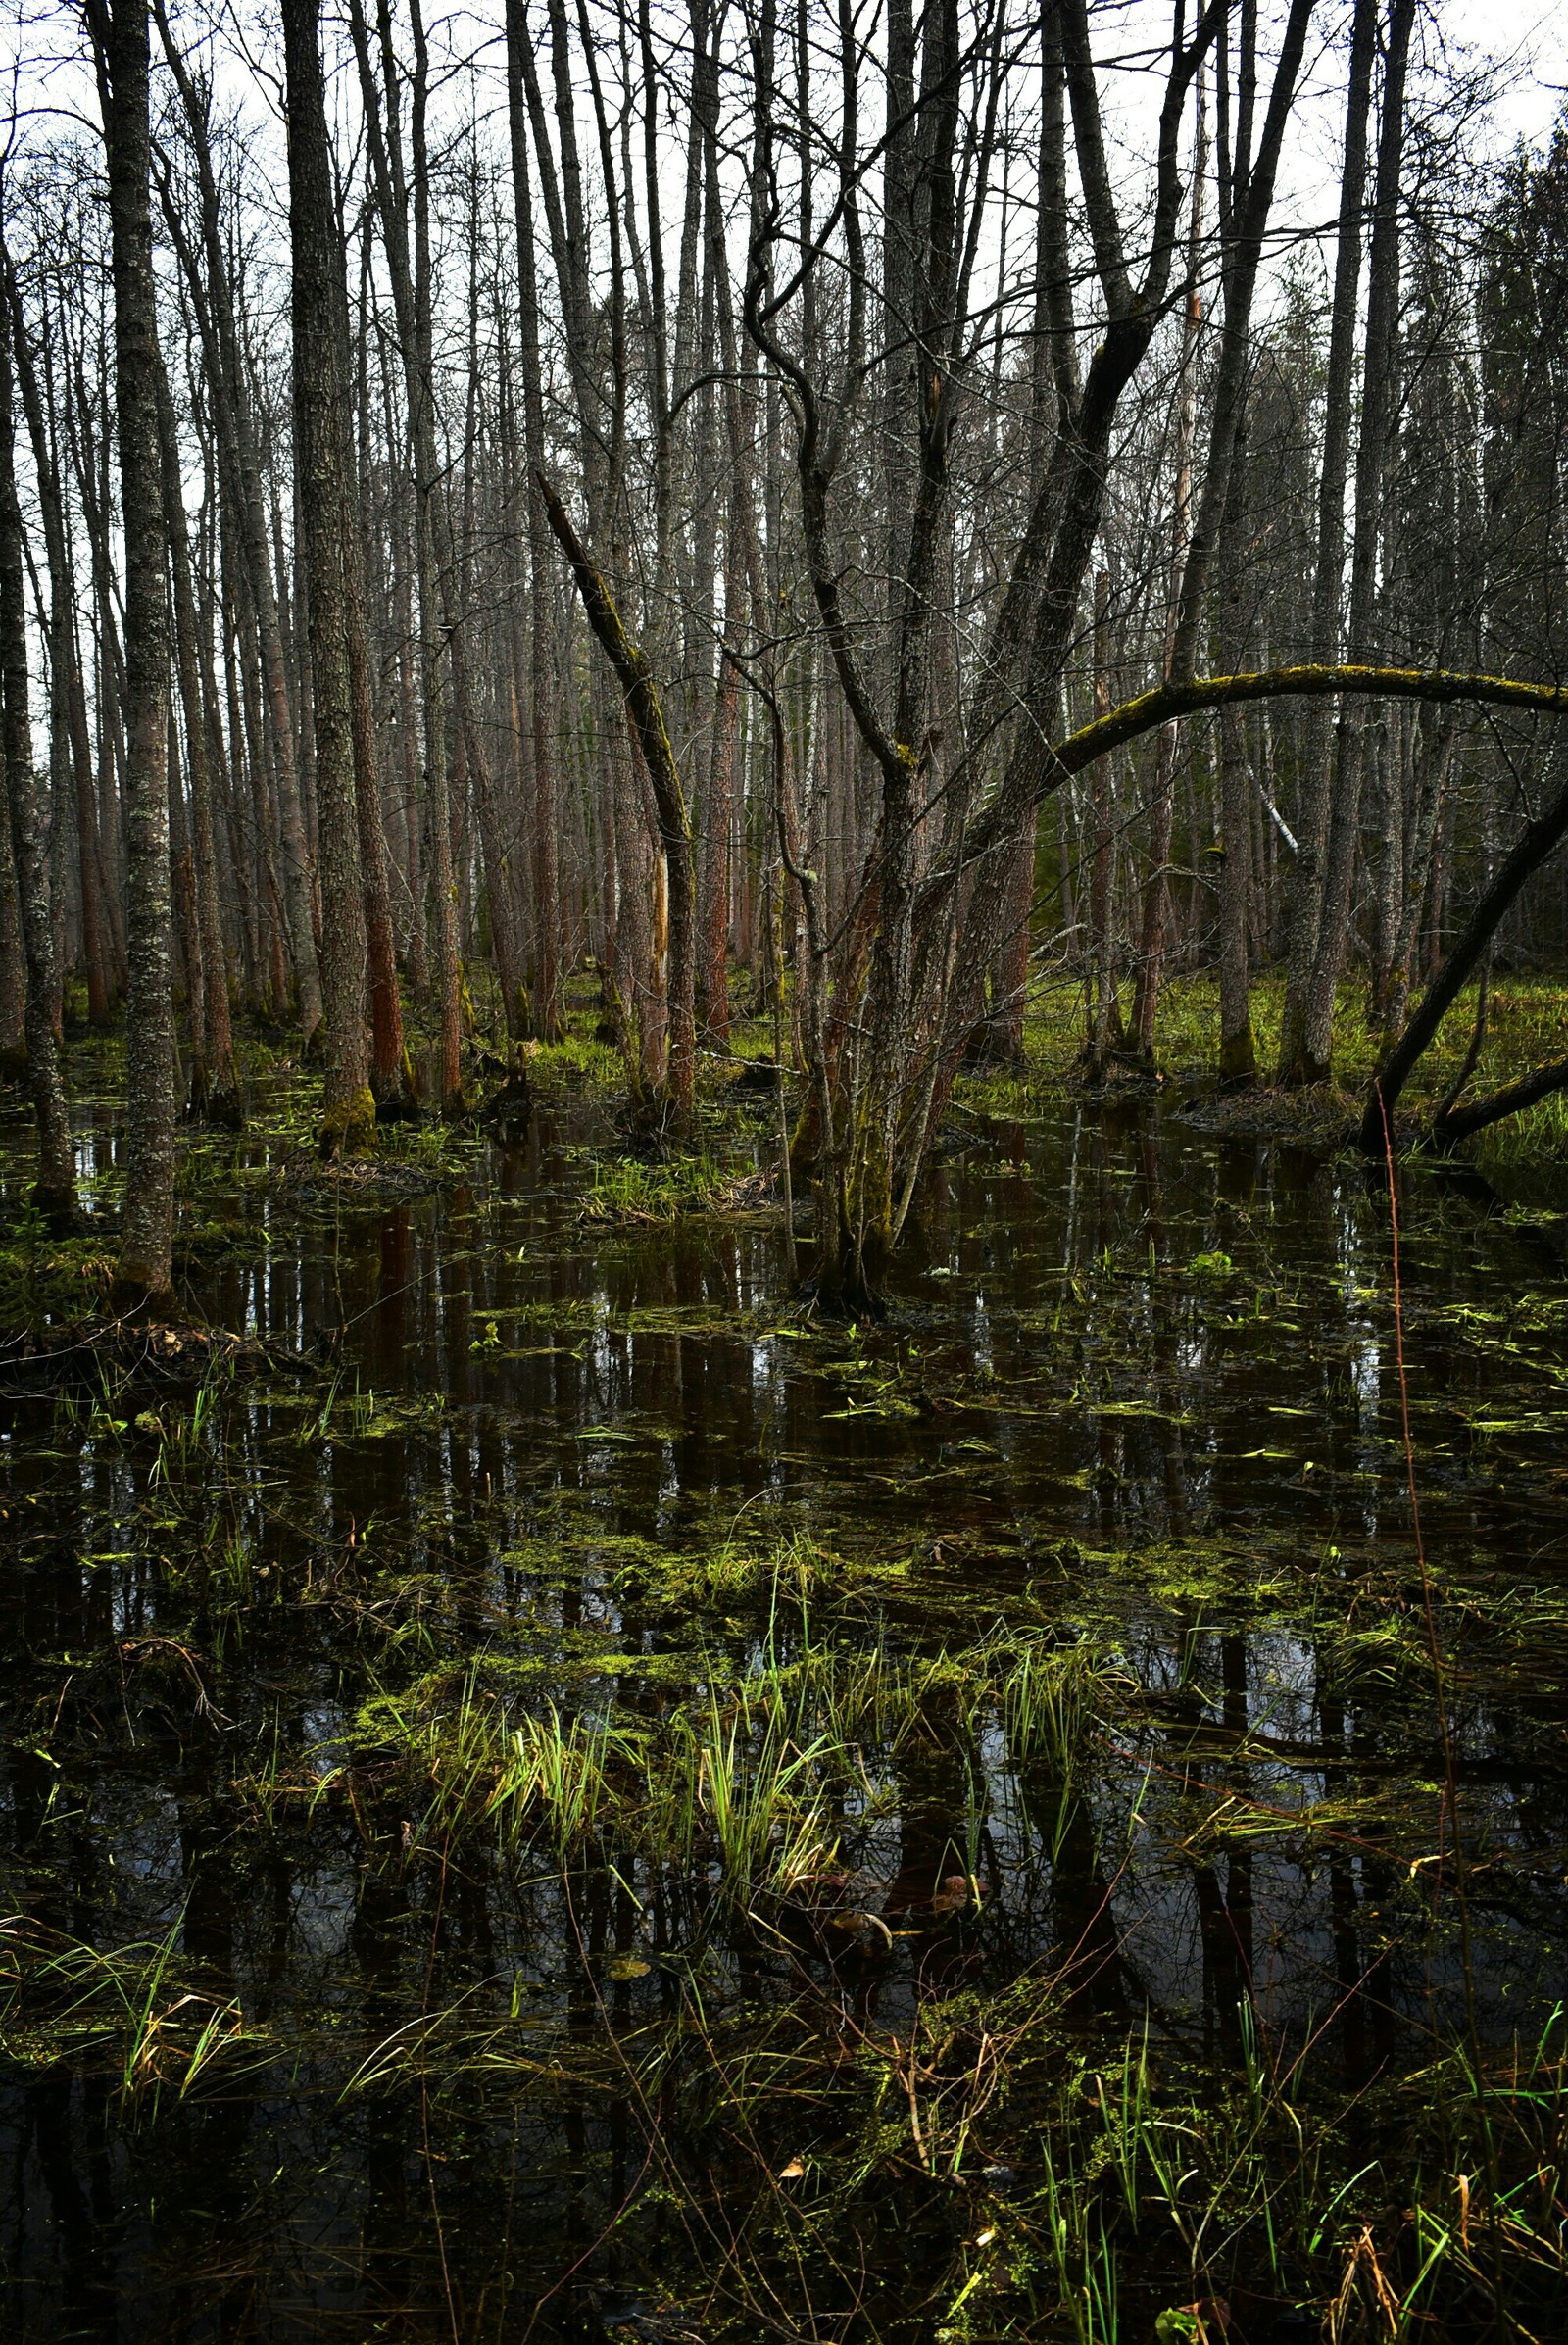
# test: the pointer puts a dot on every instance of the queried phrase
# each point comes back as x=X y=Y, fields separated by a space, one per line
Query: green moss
x=348 y=1125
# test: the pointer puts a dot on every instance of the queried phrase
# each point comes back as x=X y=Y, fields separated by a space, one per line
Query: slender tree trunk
x=1306 y=911
x=234 y=417
x=1238 y=1048
x=321 y=444
x=187 y=925
x=13 y=965
x=145 y=1272
x=718 y=809
x=545 y=986
x=645 y=712
x=1156 y=884
x=390 y=1075
x=54 y=1191
x=397 y=200
x=1378 y=391
x=1104 y=1025
x=218 y=1085
x=67 y=692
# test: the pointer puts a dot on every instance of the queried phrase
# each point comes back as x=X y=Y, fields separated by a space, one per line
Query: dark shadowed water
x=1135 y=1391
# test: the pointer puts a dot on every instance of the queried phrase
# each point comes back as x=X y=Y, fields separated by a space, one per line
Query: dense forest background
x=647 y=489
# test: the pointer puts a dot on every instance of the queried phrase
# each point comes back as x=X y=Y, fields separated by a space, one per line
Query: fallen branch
x=1453 y=1124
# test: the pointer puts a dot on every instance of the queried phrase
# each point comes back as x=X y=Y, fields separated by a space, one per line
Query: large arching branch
x=1530 y=851
x=1167 y=701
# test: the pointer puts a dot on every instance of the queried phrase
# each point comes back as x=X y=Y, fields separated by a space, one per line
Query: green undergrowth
x=1527 y=1024
x=974 y=1826
x=841 y=1918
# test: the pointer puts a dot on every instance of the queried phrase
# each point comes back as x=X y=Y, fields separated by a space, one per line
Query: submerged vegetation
x=573 y=1794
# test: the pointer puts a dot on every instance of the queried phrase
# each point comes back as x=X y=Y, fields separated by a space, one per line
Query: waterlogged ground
x=598 y=1803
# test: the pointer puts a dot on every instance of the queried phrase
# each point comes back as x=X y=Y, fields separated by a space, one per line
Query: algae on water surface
x=615 y=1805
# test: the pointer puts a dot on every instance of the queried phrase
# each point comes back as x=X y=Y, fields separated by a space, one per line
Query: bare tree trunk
x=1238 y=1048
x=13 y=965
x=391 y=1075
x=1305 y=911
x=1387 y=765
x=1352 y=740
x=321 y=448
x=233 y=413
x=1156 y=884
x=1434 y=760
x=646 y=715
x=217 y=1091
x=67 y=692
x=54 y=1191
x=145 y=1272
x=396 y=201
x=497 y=866
x=718 y=809
x=1105 y=1024
x=546 y=987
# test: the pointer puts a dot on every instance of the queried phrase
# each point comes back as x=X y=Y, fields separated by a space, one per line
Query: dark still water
x=615 y=1807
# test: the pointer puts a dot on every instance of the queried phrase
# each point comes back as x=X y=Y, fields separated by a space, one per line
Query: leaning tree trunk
x=1539 y=839
x=646 y=715
x=145 y=1272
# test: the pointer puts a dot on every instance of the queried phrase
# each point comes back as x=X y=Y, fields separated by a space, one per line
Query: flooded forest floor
x=553 y=1792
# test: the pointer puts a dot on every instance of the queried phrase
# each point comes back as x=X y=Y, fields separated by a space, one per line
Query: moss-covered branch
x=1452 y=1125
x=1539 y=839
x=1168 y=702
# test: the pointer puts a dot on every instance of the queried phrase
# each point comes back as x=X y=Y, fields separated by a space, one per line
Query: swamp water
x=620 y=1808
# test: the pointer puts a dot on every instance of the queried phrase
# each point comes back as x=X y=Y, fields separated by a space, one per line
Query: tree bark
x=545 y=986
x=648 y=717
x=1378 y=392
x=1157 y=883
x=1305 y=911
x=233 y=415
x=321 y=443
x=54 y=1191
x=396 y=202
x=145 y=1272
x=217 y=1083
x=67 y=692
